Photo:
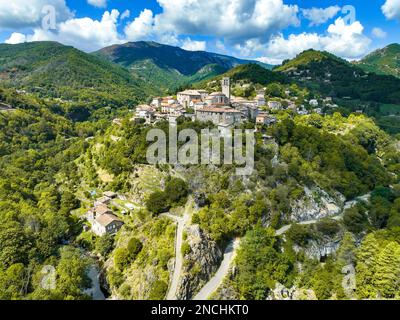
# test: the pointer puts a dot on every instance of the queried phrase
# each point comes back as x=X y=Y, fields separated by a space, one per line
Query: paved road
x=216 y=281
x=182 y=222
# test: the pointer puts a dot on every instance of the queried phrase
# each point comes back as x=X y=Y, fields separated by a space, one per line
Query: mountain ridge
x=384 y=61
x=163 y=63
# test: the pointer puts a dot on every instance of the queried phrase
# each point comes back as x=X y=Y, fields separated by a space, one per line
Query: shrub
x=185 y=249
x=158 y=290
x=134 y=247
x=122 y=258
x=299 y=234
x=158 y=202
x=104 y=245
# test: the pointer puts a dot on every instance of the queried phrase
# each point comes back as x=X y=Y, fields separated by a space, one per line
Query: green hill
x=384 y=61
x=52 y=69
x=332 y=76
x=167 y=67
x=242 y=76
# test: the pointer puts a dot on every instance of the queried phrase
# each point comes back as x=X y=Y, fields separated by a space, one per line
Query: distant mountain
x=52 y=69
x=169 y=67
x=329 y=75
x=384 y=61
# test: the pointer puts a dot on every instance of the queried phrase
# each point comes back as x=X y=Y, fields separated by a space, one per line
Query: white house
x=106 y=224
x=275 y=105
x=185 y=97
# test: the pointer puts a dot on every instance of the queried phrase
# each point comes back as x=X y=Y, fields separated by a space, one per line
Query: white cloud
x=84 y=33
x=98 y=3
x=346 y=41
x=379 y=33
x=269 y=60
x=391 y=9
x=126 y=14
x=142 y=27
x=18 y=14
x=235 y=21
x=16 y=38
x=318 y=16
x=192 y=45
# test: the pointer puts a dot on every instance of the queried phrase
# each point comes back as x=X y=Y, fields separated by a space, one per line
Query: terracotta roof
x=190 y=92
x=107 y=218
x=217 y=94
x=218 y=110
x=102 y=209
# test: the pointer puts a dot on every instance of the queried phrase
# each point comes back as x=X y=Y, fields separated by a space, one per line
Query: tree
x=72 y=278
x=105 y=244
x=347 y=249
x=158 y=290
x=134 y=247
x=259 y=265
x=122 y=258
x=12 y=282
x=177 y=191
x=158 y=202
x=387 y=275
x=14 y=245
x=366 y=267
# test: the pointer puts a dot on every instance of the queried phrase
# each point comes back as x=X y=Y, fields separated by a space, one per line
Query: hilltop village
x=222 y=108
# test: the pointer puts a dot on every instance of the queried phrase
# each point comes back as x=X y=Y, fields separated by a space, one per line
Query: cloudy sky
x=267 y=30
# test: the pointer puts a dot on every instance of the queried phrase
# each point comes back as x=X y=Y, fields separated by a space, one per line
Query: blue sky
x=267 y=30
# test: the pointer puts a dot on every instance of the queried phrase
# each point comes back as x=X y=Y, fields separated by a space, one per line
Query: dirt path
x=216 y=281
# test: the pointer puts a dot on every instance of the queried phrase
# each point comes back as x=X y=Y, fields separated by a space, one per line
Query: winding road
x=222 y=272
x=230 y=253
x=182 y=222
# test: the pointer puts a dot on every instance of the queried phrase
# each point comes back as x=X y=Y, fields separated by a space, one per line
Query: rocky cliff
x=200 y=263
x=316 y=204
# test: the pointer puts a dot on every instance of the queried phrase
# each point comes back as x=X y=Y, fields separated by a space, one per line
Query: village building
x=218 y=116
x=107 y=223
x=103 y=200
x=145 y=112
x=110 y=194
x=185 y=97
x=226 y=88
x=217 y=99
x=265 y=119
x=157 y=102
x=302 y=110
x=314 y=103
x=260 y=100
x=275 y=105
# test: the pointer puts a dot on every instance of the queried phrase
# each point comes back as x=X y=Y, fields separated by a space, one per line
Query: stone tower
x=226 y=87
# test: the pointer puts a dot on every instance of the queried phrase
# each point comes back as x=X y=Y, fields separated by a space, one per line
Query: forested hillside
x=168 y=67
x=52 y=69
x=384 y=61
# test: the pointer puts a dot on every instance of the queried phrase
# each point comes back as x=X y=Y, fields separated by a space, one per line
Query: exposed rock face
x=200 y=263
x=282 y=293
x=315 y=205
x=200 y=200
x=318 y=249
